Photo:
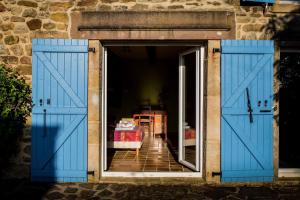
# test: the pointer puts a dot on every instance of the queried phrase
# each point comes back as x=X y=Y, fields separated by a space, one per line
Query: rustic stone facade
x=22 y=20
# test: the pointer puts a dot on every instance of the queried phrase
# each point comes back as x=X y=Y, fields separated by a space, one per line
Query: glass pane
x=189 y=119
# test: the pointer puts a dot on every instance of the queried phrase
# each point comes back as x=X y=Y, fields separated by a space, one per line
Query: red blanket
x=129 y=135
x=190 y=133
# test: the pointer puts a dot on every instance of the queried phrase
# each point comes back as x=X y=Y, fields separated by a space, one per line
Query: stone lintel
x=173 y=25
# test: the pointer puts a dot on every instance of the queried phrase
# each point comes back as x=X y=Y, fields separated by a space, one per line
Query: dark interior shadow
x=42 y=149
x=285 y=30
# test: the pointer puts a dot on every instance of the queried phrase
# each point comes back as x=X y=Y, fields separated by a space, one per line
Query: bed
x=127 y=139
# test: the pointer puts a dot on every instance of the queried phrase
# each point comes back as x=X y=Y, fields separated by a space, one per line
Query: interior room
x=289 y=75
x=143 y=106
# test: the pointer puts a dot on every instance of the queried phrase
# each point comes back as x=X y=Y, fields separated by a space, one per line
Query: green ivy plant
x=15 y=107
x=15 y=96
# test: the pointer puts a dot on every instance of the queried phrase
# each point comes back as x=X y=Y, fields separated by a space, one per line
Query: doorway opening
x=152 y=110
x=289 y=75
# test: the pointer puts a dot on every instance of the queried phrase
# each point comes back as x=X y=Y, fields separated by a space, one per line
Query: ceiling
x=148 y=52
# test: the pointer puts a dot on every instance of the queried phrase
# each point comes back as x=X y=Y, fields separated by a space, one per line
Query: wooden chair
x=146 y=121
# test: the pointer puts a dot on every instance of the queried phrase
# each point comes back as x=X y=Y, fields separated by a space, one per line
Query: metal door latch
x=216 y=50
x=92 y=50
x=216 y=174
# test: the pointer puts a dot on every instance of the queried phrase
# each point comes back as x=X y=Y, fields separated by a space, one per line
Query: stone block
x=120 y=7
x=60 y=17
x=28 y=3
x=16 y=10
x=24 y=69
x=21 y=28
x=173 y=7
x=9 y=59
x=6 y=26
x=87 y=3
x=11 y=39
x=140 y=7
x=29 y=12
x=28 y=49
x=43 y=15
x=49 y=34
x=25 y=60
x=104 y=7
x=253 y=27
x=243 y=20
x=44 y=6
x=213 y=71
x=17 y=19
x=94 y=105
x=3 y=49
x=49 y=26
x=34 y=24
x=16 y=50
x=2 y=7
x=109 y=1
x=93 y=132
x=94 y=58
x=60 y=6
x=94 y=79
x=62 y=27
x=94 y=159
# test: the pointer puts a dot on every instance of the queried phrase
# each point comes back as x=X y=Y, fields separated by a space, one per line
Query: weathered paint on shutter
x=59 y=116
x=246 y=148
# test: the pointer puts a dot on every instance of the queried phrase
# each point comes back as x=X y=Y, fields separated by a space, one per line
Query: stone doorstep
x=154 y=180
x=195 y=181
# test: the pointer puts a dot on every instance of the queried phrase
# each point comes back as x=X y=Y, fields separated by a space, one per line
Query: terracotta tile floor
x=154 y=156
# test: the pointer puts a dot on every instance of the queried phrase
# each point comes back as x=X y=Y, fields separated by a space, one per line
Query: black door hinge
x=91 y=173
x=216 y=174
x=216 y=50
x=92 y=50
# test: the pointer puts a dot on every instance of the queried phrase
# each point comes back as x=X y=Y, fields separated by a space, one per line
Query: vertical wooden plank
x=58 y=61
x=67 y=102
x=81 y=93
x=74 y=86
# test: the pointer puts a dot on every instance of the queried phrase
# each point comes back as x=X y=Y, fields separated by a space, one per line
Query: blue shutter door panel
x=247 y=116
x=59 y=115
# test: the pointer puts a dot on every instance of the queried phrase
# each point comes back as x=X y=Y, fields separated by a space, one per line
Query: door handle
x=264 y=111
x=249 y=106
x=41 y=102
x=45 y=123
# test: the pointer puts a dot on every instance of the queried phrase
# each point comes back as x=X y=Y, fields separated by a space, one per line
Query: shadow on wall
x=16 y=182
x=284 y=28
x=10 y=139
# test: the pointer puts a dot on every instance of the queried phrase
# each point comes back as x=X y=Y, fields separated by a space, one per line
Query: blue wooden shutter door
x=246 y=148
x=59 y=116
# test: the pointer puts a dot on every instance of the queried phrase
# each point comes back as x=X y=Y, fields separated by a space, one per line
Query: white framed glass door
x=105 y=156
x=191 y=107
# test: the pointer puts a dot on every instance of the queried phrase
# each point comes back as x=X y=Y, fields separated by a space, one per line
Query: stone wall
x=22 y=20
